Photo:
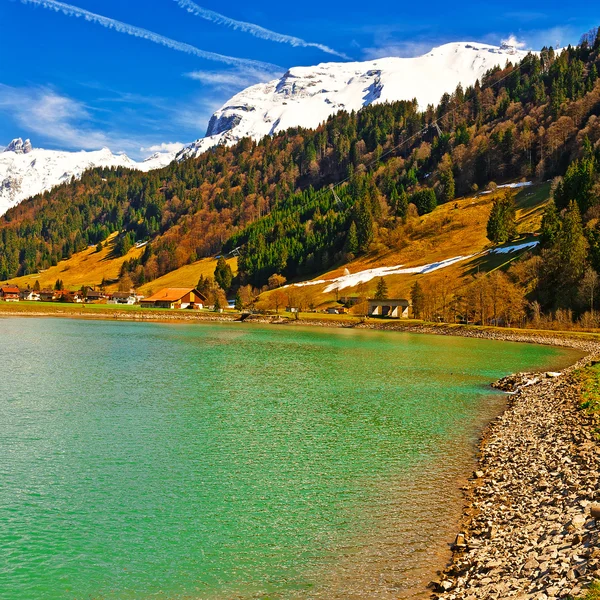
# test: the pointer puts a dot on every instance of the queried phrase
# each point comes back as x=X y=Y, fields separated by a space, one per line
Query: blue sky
x=136 y=74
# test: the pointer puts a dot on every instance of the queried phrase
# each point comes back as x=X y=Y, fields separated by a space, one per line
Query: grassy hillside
x=83 y=268
x=90 y=268
x=187 y=275
x=454 y=229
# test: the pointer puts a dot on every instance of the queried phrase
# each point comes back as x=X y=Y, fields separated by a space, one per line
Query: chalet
x=175 y=298
x=92 y=295
x=394 y=309
x=30 y=295
x=48 y=295
x=67 y=296
x=10 y=293
x=122 y=298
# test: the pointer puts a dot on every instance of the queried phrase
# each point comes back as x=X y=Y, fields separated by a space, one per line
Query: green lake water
x=151 y=461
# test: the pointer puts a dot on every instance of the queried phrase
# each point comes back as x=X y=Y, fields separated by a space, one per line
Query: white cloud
x=164 y=147
x=43 y=111
x=230 y=79
x=514 y=42
x=65 y=123
x=536 y=39
x=74 y=11
x=252 y=28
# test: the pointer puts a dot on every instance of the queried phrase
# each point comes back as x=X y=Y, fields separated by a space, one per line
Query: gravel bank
x=528 y=532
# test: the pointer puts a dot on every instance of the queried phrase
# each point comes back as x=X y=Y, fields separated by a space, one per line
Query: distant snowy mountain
x=304 y=96
x=307 y=96
x=26 y=171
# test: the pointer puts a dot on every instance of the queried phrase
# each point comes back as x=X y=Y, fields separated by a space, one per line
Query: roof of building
x=10 y=289
x=172 y=295
x=387 y=301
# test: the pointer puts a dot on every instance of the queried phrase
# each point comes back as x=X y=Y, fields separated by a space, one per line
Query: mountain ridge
x=26 y=171
x=302 y=97
x=307 y=96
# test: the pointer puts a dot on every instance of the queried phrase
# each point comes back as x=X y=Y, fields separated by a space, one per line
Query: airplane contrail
x=74 y=11
x=251 y=28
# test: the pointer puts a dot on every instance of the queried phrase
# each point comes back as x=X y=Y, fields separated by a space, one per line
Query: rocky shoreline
x=531 y=524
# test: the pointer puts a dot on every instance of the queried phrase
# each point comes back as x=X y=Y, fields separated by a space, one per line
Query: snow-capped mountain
x=307 y=96
x=304 y=96
x=26 y=171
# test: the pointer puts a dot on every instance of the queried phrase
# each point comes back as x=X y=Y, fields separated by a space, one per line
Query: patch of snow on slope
x=516 y=248
x=354 y=279
x=512 y=186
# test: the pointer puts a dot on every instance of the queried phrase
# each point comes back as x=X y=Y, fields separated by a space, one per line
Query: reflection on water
x=221 y=461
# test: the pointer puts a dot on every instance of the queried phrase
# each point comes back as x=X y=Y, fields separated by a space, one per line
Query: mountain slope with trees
x=270 y=201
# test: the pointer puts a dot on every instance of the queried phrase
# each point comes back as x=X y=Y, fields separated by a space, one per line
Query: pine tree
x=239 y=304
x=351 y=245
x=417 y=297
x=204 y=285
x=381 y=293
x=402 y=203
x=570 y=246
x=364 y=226
x=501 y=225
x=223 y=274
x=425 y=200
x=550 y=225
x=448 y=185
x=36 y=286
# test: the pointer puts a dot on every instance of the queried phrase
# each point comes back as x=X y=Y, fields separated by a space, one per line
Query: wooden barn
x=175 y=298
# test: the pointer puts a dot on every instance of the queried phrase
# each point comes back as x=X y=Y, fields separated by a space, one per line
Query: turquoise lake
x=154 y=461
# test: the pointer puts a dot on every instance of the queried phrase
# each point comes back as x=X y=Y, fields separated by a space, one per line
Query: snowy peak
x=302 y=97
x=307 y=96
x=18 y=146
x=26 y=171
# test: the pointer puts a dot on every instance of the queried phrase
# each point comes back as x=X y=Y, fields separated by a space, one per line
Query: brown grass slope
x=457 y=228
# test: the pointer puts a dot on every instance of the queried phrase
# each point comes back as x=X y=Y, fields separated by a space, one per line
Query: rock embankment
x=532 y=523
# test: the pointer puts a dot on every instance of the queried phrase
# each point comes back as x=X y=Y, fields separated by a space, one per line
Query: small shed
x=392 y=308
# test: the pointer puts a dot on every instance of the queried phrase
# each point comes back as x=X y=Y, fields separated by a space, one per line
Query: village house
x=48 y=295
x=30 y=295
x=92 y=295
x=67 y=296
x=128 y=298
x=175 y=298
x=394 y=309
x=10 y=293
